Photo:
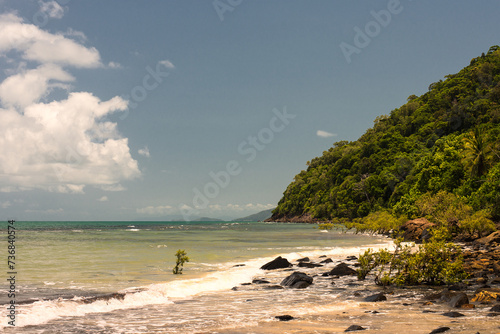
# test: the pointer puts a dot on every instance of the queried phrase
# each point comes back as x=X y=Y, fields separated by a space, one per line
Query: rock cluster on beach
x=477 y=296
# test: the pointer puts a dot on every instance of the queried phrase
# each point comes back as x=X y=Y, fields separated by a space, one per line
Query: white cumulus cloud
x=144 y=152
x=63 y=145
x=324 y=134
x=52 y=9
x=103 y=199
x=38 y=45
x=29 y=86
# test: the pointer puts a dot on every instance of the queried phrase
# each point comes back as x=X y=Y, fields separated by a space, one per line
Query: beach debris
x=277 y=263
x=440 y=330
x=341 y=269
x=284 y=317
x=453 y=314
x=297 y=280
x=376 y=298
x=353 y=328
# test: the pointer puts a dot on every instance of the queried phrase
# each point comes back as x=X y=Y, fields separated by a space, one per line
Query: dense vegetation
x=436 y=156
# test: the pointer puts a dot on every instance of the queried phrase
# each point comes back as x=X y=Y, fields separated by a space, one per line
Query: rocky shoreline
x=475 y=302
x=473 y=299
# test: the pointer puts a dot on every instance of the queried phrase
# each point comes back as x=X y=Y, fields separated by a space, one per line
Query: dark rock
x=446 y=296
x=453 y=314
x=309 y=265
x=260 y=281
x=342 y=269
x=273 y=287
x=428 y=311
x=246 y=284
x=239 y=265
x=458 y=300
x=327 y=261
x=284 y=317
x=495 y=308
x=277 y=263
x=322 y=256
x=300 y=285
x=354 y=328
x=351 y=258
x=304 y=259
x=493 y=314
x=440 y=330
x=295 y=280
x=413 y=229
x=376 y=298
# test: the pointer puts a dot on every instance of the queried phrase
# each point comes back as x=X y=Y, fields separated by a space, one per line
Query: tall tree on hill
x=477 y=152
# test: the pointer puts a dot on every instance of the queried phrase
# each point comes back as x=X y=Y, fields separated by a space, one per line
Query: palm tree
x=477 y=152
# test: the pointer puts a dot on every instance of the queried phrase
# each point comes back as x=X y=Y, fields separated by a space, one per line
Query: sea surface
x=116 y=277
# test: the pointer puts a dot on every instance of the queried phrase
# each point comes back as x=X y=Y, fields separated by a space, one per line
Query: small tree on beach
x=181 y=259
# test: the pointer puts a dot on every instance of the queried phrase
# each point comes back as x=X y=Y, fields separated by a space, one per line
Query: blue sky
x=158 y=110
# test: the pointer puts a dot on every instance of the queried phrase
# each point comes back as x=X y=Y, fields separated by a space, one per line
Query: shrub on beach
x=181 y=259
x=435 y=262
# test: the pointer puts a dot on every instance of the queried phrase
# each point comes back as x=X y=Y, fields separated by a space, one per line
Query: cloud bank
x=60 y=145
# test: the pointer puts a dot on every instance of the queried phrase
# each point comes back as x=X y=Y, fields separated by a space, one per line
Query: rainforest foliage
x=436 y=156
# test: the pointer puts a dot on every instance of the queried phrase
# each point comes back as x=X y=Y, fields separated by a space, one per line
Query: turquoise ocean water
x=62 y=266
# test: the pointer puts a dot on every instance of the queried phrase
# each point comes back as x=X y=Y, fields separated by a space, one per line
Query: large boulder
x=341 y=269
x=417 y=229
x=277 y=263
x=297 y=280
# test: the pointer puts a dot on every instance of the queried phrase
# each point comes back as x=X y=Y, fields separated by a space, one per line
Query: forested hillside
x=442 y=147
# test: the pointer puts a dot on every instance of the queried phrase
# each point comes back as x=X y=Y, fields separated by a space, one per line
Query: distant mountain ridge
x=256 y=217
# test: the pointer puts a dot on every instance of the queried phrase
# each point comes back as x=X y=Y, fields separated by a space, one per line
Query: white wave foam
x=228 y=276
